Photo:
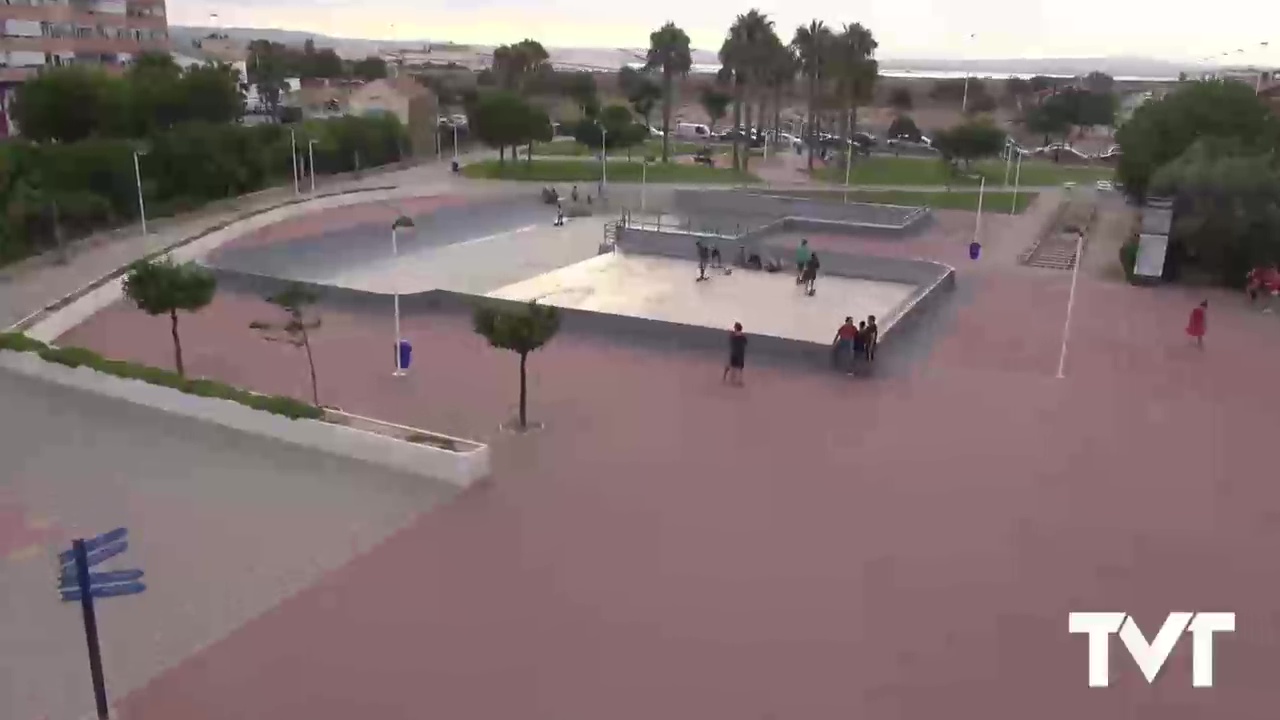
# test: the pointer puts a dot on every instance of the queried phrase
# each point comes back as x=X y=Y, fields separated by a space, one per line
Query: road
x=224 y=524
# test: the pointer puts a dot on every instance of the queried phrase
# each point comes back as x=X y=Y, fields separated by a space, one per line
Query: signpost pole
x=90 y=628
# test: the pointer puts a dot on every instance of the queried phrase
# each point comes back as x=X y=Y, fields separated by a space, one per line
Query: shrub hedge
x=92 y=186
x=81 y=357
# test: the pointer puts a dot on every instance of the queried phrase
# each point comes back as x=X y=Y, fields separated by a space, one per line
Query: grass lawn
x=997 y=202
x=888 y=170
x=619 y=171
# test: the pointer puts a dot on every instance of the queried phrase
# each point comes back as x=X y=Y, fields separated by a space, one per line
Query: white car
x=1106 y=185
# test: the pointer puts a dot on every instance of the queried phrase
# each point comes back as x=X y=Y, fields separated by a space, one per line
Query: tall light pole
x=404 y=221
x=137 y=175
x=604 y=159
x=644 y=179
x=848 y=155
x=964 y=101
x=293 y=145
x=311 y=160
x=977 y=225
x=1017 y=177
x=1009 y=148
x=455 y=140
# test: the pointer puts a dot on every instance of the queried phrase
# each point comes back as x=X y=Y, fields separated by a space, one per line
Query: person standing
x=737 y=356
x=703 y=255
x=809 y=275
x=873 y=337
x=803 y=253
x=842 y=349
x=1198 y=325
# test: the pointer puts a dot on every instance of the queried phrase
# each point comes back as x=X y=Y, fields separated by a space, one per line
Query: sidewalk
x=30 y=285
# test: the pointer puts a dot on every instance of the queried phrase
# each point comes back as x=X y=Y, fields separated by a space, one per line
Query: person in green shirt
x=803 y=253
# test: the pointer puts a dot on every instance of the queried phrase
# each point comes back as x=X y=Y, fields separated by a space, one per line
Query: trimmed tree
x=715 y=101
x=519 y=331
x=161 y=287
x=300 y=319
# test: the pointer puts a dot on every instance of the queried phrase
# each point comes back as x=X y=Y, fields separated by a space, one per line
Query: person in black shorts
x=873 y=337
x=737 y=356
x=703 y=256
x=810 y=274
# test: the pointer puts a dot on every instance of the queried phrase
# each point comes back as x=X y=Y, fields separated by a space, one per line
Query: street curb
x=459 y=468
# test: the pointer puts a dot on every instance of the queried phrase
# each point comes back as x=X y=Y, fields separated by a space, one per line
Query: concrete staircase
x=1055 y=249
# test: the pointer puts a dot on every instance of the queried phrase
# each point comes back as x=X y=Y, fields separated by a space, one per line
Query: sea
x=930 y=74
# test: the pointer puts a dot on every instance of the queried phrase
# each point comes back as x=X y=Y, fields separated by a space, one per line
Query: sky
x=953 y=29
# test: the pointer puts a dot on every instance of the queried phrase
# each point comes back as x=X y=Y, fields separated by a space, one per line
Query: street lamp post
x=644 y=179
x=293 y=147
x=977 y=225
x=137 y=175
x=604 y=159
x=1017 y=177
x=964 y=101
x=404 y=221
x=455 y=141
x=311 y=160
x=848 y=155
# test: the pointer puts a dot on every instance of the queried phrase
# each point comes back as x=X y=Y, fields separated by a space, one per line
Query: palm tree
x=812 y=44
x=744 y=57
x=782 y=72
x=855 y=71
x=669 y=52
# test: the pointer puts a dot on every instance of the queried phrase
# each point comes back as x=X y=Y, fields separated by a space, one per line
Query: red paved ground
x=806 y=547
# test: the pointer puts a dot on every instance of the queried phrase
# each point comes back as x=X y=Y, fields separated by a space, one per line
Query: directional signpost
x=76 y=583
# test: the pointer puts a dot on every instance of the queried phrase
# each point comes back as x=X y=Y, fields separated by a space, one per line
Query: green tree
x=581 y=88
x=1226 y=206
x=537 y=128
x=1099 y=82
x=370 y=68
x=211 y=93
x=715 y=101
x=160 y=287
x=500 y=119
x=519 y=331
x=900 y=99
x=615 y=128
x=67 y=103
x=813 y=44
x=904 y=126
x=745 y=58
x=298 y=303
x=669 y=53
x=1161 y=130
x=1017 y=89
x=855 y=70
x=970 y=141
x=514 y=65
x=643 y=93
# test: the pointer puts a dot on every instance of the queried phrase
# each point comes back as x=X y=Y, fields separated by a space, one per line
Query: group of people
x=1263 y=282
x=854 y=346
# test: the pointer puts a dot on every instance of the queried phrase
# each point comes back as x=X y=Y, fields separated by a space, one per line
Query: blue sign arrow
x=100 y=555
x=111 y=577
x=105 y=591
x=107 y=538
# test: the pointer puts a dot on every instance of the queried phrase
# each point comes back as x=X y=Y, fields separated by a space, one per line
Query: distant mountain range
x=616 y=57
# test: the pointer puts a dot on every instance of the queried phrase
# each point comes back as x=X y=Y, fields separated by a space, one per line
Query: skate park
x=621 y=273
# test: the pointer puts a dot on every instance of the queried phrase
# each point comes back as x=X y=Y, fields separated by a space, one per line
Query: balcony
x=89 y=43
x=82 y=16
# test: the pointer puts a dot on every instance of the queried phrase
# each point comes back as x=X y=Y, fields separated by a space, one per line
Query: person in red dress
x=1198 y=324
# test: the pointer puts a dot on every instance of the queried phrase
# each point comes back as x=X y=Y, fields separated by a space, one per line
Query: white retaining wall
x=457 y=468
x=60 y=321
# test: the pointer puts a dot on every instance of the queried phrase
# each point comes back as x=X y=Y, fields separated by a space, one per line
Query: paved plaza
x=905 y=546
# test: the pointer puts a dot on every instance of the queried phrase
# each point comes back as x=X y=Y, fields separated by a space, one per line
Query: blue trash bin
x=975 y=249
x=404 y=353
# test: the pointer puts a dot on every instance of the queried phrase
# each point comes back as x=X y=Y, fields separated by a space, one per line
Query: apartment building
x=35 y=34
